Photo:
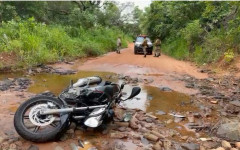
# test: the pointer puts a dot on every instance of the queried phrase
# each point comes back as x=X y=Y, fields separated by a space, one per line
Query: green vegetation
x=37 y=43
x=41 y=32
x=44 y=32
x=204 y=32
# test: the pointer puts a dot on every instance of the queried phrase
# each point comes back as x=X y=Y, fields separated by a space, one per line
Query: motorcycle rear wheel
x=35 y=127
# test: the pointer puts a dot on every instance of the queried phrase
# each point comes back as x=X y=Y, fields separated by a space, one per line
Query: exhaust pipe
x=68 y=110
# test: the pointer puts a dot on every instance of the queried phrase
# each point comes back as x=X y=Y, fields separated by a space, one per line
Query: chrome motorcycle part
x=68 y=110
x=40 y=120
x=94 y=122
x=78 y=117
x=86 y=81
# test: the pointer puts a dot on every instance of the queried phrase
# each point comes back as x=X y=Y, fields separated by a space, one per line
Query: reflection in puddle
x=160 y=103
x=152 y=99
x=5 y=75
x=57 y=83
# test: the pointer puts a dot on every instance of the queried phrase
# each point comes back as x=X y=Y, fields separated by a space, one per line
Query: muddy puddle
x=5 y=75
x=56 y=83
x=151 y=99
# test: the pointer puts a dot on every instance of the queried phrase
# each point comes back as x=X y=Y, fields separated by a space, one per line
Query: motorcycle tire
x=26 y=133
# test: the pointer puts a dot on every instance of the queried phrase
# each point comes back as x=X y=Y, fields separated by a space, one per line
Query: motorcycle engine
x=70 y=95
x=83 y=96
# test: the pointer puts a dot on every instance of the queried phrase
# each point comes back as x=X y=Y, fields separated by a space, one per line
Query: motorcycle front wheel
x=39 y=128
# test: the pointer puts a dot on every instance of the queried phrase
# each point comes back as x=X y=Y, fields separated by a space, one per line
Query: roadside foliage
x=199 y=31
x=44 y=32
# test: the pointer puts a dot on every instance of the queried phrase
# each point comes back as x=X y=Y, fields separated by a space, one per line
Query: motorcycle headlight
x=92 y=122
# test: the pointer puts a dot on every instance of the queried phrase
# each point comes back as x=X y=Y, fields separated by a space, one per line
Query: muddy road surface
x=164 y=70
x=180 y=106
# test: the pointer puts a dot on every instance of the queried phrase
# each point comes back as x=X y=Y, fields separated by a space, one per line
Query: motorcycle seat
x=89 y=80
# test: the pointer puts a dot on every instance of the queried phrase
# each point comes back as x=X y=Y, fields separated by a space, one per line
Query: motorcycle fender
x=64 y=118
x=65 y=121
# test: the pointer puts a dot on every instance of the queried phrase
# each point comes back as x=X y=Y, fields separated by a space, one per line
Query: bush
x=190 y=45
x=37 y=43
x=192 y=33
x=176 y=47
x=228 y=56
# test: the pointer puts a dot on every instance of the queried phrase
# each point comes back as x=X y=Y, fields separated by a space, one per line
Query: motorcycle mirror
x=135 y=91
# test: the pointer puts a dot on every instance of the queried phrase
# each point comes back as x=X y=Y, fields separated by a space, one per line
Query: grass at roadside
x=35 y=43
x=195 y=44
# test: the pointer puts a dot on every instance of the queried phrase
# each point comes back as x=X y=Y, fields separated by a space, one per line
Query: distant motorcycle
x=89 y=101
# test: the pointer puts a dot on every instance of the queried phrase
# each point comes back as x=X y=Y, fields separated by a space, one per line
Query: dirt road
x=128 y=63
x=163 y=70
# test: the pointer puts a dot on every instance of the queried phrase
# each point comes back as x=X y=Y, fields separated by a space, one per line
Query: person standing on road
x=144 y=45
x=157 y=48
x=119 y=44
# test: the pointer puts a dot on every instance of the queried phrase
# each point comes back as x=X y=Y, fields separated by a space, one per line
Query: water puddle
x=5 y=75
x=56 y=83
x=151 y=99
x=161 y=103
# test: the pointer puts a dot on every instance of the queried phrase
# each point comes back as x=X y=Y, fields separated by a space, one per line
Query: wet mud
x=151 y=100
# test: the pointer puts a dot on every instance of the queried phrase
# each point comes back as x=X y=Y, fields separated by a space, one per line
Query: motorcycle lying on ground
x=89 y=101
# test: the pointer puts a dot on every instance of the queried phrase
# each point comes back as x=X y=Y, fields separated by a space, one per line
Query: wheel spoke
x=26 y=117
x=54 y=125
x=35 y=122
x=57 y=119
x=30 y=126
x=36 y=129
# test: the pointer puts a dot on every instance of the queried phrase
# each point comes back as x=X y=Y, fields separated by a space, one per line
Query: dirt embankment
x=8 y=60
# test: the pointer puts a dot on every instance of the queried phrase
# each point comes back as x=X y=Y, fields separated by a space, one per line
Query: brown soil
x=163 y=70
x=222 y=68
x=128 y=63
x=7 y=59
x=236 y=65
